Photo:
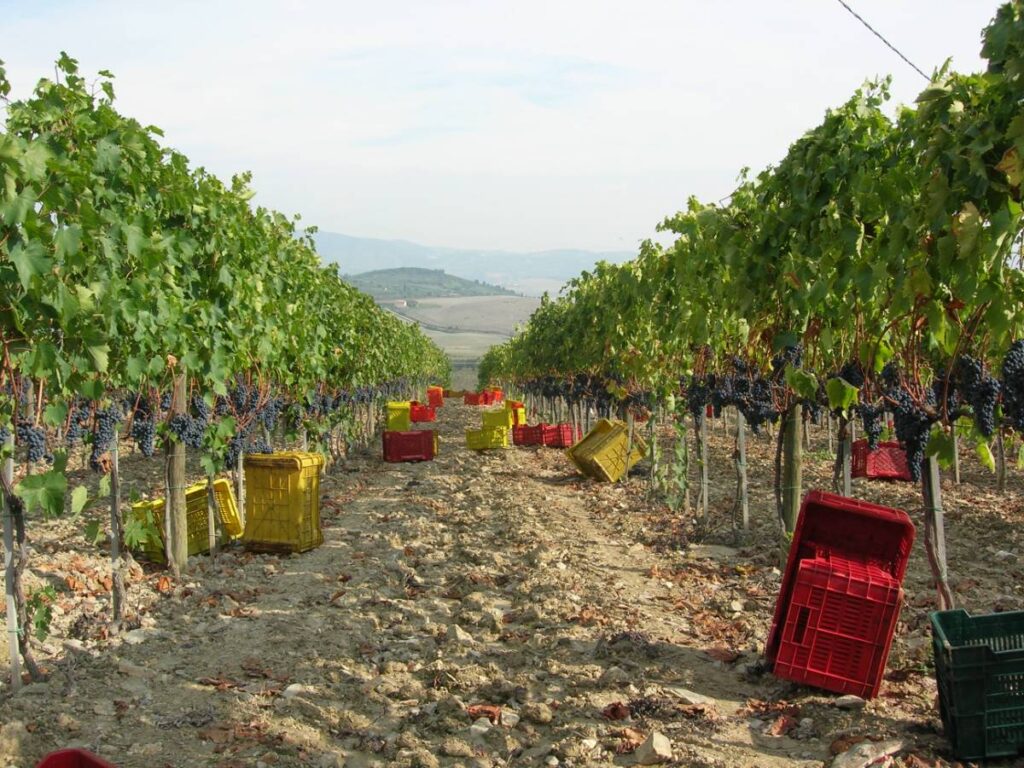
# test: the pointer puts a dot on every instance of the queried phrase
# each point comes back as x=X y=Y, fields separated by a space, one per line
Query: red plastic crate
x=495 y=394
x=887 y=462
x=558 y=435
x=839 y=626
x=416 y=445
x=473 y=398
x=418 y=412
x=435 y=397
x=525 y=435
x=835 y=525
x=73 y=758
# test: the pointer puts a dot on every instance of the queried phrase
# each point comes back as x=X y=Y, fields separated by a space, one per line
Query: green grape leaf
x=801 y=382
x=841 y=394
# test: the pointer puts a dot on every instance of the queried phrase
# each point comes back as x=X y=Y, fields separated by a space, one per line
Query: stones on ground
x=480 y=727
x=655 y=749
x=711 y=552
x=615 y=676
x=141 y=635
x=850 y=702
x=689 y=697
x=452 y=747
x=867 y=753
x=509 y=718
x=538 y=712
x=12 y=736
x=458 y=635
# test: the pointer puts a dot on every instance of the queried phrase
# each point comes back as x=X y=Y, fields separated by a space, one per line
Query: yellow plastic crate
x=601 y=454
x=488 y=437
x=497 y=418
x=195 y=517
x=518 y=415
x=282 y=501
x=398 y=416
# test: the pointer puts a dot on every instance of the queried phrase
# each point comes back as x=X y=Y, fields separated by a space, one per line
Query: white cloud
x=479 y=124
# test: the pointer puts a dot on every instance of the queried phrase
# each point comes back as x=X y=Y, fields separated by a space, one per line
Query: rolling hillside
x=417 y=283
x=526 y=273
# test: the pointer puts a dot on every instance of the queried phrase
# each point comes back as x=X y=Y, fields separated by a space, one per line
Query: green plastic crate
x=979 y=668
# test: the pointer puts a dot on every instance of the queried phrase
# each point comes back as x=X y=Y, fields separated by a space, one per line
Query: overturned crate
x=196 y=519
x=605 y=454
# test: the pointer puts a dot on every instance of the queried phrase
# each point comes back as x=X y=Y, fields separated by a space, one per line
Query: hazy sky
x=526 y=125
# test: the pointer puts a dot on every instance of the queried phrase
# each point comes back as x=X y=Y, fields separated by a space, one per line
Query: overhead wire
x=879 y=35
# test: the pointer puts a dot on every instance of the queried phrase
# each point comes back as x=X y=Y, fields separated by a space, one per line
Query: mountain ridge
x=420 y=283
x=530 y=273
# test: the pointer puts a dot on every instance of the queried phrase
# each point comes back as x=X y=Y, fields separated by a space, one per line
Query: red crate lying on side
x=419 y=412
x=839 y=626
x=526 y=435
x=835 y=525
x=474 y=398
x=416 y=445
x=559 y=435
x=73 y=758
x=887 y=462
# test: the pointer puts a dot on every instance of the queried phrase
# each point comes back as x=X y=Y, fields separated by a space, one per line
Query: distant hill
x=527 y=273
x=418 y=283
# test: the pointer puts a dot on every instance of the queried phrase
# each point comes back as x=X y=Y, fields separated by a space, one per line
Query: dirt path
x=498 y=579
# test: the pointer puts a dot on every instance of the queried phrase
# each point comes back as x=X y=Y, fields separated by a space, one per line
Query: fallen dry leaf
x=781 y=725
x=615 y=711
x=490 y=711
x=845 y=743
x=629 y=740
x=216 y=733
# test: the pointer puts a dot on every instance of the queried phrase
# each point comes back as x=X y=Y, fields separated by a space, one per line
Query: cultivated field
x=488 y=314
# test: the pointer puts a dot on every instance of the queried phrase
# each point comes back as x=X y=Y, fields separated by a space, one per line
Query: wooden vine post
x=792 y=468
x=175 y=516
x=118 y=593
x=9 y=574
x=742 y=501
x=935 y=531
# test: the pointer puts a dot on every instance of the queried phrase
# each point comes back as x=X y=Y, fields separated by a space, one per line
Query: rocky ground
x=488 y=610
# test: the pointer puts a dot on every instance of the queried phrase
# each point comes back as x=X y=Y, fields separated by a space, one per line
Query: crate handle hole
x=801 y=625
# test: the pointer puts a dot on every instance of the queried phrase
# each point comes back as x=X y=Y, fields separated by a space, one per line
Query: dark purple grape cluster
x=1013 y=385
x=852 y=373
x=891 y=375
x=271 y=411
x=143 y=425
x=698 y=395
x=104 y=432
x=34 y=440
x=5 y=435
x=77 y=425
x=186 y=429
x=913 y=428
x=793 y=355
x=980 y=390
x=946 y=395
x=754 y=400
x=259 y=445
x=871 y=419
